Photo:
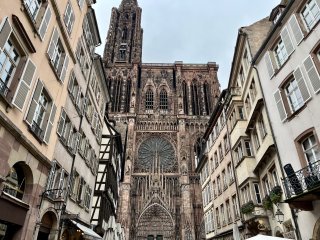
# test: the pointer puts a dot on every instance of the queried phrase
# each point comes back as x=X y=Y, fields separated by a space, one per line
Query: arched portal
x=155 y=221
x=48 y=226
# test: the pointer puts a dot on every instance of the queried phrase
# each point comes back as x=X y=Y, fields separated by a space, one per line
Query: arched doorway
x=155 y=222
x=48 y=226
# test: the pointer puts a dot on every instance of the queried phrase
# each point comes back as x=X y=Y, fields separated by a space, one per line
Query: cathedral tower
x=161 y=111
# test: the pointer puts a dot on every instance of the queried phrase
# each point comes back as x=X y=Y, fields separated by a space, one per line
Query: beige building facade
x=52 y=94
x=288 y=65
x=257 y=166
x=219 y=188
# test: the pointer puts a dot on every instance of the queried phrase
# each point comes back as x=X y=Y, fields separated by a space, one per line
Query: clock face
x=152 y=147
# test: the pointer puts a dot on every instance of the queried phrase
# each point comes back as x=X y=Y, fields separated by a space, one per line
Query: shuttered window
x=5 y=32
x=32 y=7
x=312 y=73
x=280 y=105
x=311 y=13
x=295 y=29
x=69 y=17
x=301 y=84
x=285 y=36
x=45 y=22
x=58 y=57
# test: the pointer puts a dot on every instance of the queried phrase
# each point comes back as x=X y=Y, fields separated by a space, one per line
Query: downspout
x=294 y=216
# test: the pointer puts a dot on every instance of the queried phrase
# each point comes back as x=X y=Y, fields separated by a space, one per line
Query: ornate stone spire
x=128 y=3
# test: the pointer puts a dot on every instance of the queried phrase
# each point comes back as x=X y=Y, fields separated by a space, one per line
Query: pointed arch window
x=206 y=91
x=128 y=95
x=195 y=98
x=185 y=98
x=116 y=87
x=149 y=99
x=163 y=100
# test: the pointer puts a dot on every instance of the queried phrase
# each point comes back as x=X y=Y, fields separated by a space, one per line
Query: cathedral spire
x=128 y=3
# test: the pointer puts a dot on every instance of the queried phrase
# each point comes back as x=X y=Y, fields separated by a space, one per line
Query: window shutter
x=67 y=13
x=287 y=40
x=51 y=175
x=312 y=73
x=64 y=68
x=60 y=184
x=301 y=84
x=61 y=122
x=80 y=3
x=71 y=82
x=270 y=68
x=5 y=32
x=280 y=106
x=23 y=88
x=78 y=50
x=34 y=102
x=45 y=22
x=72 y=18
x=295 y=29
x=50 y=124
x=77 y=141
x=53 y=43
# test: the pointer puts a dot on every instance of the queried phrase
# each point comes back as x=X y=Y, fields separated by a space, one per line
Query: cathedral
x=161 y=111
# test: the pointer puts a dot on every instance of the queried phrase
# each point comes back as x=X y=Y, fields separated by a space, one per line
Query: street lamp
x=279 y=216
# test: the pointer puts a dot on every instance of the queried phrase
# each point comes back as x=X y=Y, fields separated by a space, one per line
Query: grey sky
x=192 y=31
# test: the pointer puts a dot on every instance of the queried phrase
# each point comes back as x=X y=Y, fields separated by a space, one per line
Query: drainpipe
x=294 y=216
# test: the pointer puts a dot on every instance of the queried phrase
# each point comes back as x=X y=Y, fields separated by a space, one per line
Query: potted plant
x=275 y=194
x=247 y=207
x=267 y=203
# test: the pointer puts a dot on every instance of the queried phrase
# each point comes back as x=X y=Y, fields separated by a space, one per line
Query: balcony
x=37 y=131
x=302 y=187
x=3 y=89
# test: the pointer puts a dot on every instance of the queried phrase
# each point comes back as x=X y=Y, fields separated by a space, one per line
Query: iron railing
x=302 y=181
x=3 y=88
x=35 y=128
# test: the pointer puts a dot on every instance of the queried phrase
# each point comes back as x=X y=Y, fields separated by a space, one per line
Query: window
x=76 y=94
x=238 y=153
x=226 y=143
x=57 y=180
x=275 y=177
x=311 y=149
x=122 y=52
x=32 y=7
x=255 y=138
x=149 y=100
x=257 y=193
x=230 y=173
x=262 y=128
x=294 y=95
x=185 y=98
x=247 y=104
x=69 y=17
x=87 y=33
x=220 y=152
x=15 y=182
x=266 y=185
x=80 y=190
x=246 y=196
x=41 y=113
x=225 y=181
x=87 y=197
x=223 y=215
x=57 y=55
x=216 y=160
x=235 y=205
x=9 y=59
x=195 y=98
x=241 y=113
x=310 y=13
x=80 y=3
x=247 y=145
x=252 y=90
x=229 y=216
x=218 y=218
x=280 y=53
x=219 y=185
x=163 y=100
x=214 y=191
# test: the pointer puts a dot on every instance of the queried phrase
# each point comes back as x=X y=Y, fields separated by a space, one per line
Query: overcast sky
x=192 y=31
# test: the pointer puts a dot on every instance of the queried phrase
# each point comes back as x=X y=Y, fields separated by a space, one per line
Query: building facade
x=288 y=65
x=216 y=168
x=257 y=166
x=164 y=108
x=53 y=98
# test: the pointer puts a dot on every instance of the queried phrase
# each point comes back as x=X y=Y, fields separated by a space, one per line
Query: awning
x=87 y=231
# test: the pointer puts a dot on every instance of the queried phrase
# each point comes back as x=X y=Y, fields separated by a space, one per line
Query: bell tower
x=124 y=40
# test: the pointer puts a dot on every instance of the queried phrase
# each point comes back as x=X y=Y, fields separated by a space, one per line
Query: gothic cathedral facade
x=161 y=111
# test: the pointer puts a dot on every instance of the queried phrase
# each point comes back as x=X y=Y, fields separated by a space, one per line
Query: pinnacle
x=129 y=3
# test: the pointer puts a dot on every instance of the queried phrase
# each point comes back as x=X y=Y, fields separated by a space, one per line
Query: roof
x=256 y=34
